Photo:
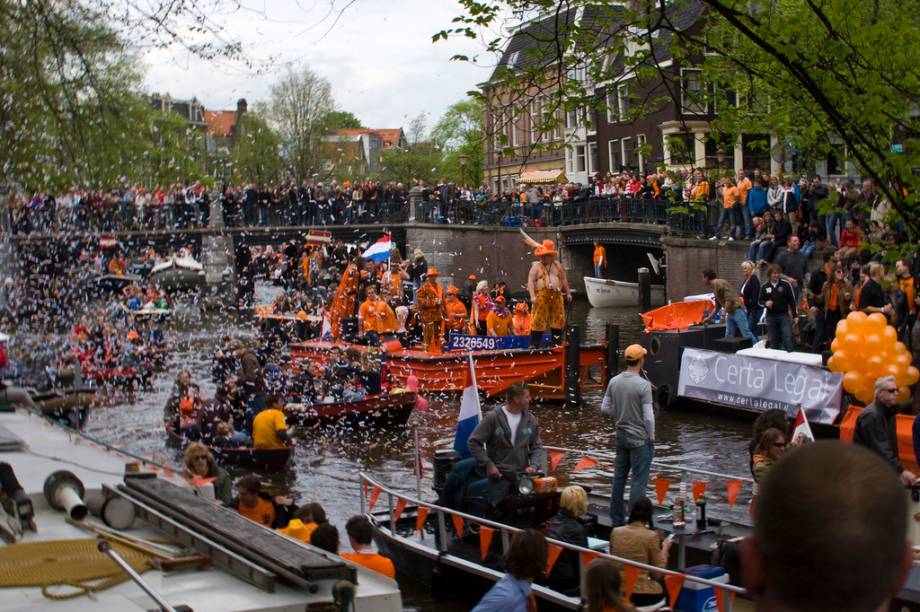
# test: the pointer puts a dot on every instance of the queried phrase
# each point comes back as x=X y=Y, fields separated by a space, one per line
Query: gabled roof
x=220 y=123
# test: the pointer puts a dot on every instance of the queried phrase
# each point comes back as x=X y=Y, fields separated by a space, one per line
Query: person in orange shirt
x=118 y=265
x=343 y=305
x=730 y=196
x=269 y=429
x=521 y=319
x=431 y=310
x=499 y=321
x=378 y=317
x=744 y=186
x=454 y=312
x=699 y=193
x=360 y=535
x=600 y=259
x=256 y=505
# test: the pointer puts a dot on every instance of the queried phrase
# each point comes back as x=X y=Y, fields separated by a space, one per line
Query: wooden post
x=573 y=365
x=613 y=350
x=645 y=289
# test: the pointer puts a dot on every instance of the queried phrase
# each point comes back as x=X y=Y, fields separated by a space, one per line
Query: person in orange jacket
x=521 y=319
x=431 y=310
x=454 y=312
x=600 y=259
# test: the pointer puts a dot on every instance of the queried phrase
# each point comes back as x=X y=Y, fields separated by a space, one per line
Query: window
x=612 y=107
x=640 y=156
x=592 y=157
x=623 y=102
x=513 y=58
x=513 y=128
x=571 y=119
x=725 y=97
x=536 y=113
x=681 y=148
x=755 y=151
x=692 y=92
x=579 y=72
x=559 y=129
x=719 y=154
x=626 y=152
x=579 y=158
x=613 y=155
x=836 y=159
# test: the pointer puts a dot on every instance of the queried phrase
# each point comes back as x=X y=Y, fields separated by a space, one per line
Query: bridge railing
x=85 y=219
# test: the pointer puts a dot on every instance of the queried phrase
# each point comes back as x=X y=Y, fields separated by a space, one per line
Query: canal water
x=326 y=464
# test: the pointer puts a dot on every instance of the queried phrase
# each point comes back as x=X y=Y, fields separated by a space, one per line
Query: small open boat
x=608 y=293
x=177 y=274
x=267 y=459
x=113 y=283
x=374 y=410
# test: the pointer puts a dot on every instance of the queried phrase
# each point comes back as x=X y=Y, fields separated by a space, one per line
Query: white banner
x=760 y=384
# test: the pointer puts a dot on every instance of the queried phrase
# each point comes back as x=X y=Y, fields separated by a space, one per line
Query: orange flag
x=699 y=488
x=674 y=583
x=421 y=518
x=630 y=576
x=398 y=510
x=721 y=594
x=364 y=485
x=552 y=556
x=485 y=540
x=733 y=487
x=661 y=487
x=583 y=464
x=375 y=493
x=554 y=458
x=588 y=557
x=458 y=524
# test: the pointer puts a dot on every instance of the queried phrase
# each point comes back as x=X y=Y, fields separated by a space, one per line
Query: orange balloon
x=890 y=335
x=913 y=375
x=875 y=366
x=903 y=360
x=877 y=321
x=865 y=395
x=903 y=394
x=872 y=343
x=853 y=342
x=853 y=382
x=900 y=348
x=892 y=369
x=836 y=344
x=857 y=316
x=839 y=361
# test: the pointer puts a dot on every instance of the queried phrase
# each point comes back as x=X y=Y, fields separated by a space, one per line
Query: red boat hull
x=265 y=459
x=377 y=410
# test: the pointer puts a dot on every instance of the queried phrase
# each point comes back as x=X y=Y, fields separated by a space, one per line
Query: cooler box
x=696 y=597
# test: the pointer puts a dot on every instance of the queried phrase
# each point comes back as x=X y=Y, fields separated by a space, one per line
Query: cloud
x=378 y=57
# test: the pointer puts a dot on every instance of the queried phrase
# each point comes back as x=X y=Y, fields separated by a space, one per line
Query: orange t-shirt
x=371 y=313
x=743 y=188
x=600 y=253
x=456 y=314
x=729 y=196
x=499 y=325
x=521 y=324
x=373 y=561
x=263 y=513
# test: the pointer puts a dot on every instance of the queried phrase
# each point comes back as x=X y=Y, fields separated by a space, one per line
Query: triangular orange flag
x=375 y=493
x=485 y=540
x=661 y=487
x=552 y=556
x=583 y=464
x=421 y=518
x=458 y=524
x=699 y=489
x=554 y=458
x=674 y=583
x=733 y=487
x=398 y=510
x=588 y=556
x=721 y=594
x=630 y=576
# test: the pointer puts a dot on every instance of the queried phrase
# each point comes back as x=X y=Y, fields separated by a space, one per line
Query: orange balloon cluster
x=867 y=348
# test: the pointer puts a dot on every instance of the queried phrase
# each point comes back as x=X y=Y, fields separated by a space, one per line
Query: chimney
x=241 y=107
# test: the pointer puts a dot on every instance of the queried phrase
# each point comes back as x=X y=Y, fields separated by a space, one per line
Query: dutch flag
x=470 y=411
x=380 y=250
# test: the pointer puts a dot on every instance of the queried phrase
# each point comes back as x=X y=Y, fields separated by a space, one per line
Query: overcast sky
x=378 y=57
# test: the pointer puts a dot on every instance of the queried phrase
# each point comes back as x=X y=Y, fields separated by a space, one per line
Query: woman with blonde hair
x=567 y=527
x=750 y=294
x=480 y=308
x=199 y=463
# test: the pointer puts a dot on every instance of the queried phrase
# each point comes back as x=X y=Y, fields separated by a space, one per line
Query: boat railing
x=372 y=488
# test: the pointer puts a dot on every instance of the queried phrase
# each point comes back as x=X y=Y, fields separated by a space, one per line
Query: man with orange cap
x=431 y=310
x=549 y=290
x=454 y=312
x=521 y=319
x=498 y=322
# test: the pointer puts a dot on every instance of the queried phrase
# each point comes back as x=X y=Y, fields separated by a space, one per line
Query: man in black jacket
x=777 y=296
x=875 y=427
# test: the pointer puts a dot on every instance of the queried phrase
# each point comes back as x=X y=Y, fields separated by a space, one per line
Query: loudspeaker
x=731 y=344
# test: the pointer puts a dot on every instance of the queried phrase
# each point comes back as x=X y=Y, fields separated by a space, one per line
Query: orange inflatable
x=903 y=423
x=678 y=315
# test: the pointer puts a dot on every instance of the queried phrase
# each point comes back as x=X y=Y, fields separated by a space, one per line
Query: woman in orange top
x=499 y=321
x=600 y=259
x=728 y=215
x=521 y=320
x=836 y=295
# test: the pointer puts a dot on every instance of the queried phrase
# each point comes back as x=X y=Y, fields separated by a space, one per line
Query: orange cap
x=432 y=272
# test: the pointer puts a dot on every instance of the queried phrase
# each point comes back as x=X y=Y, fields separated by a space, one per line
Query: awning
x=542 y=177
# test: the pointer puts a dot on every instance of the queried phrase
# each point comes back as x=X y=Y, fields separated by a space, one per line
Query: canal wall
x=686 y=259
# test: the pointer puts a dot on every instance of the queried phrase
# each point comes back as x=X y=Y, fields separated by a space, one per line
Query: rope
x=66 y=563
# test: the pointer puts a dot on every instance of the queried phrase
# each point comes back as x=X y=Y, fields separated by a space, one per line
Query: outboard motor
x=444 y=460
x=64 y=491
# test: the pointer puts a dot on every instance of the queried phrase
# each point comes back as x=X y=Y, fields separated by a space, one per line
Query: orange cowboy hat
x=547 y=248
x=452 y=290
x=432 y=272
x=471 y=277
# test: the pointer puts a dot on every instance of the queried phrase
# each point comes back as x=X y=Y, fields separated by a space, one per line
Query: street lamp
x=463 y=159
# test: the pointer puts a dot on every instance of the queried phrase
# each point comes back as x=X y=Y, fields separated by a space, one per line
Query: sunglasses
x=890 y=390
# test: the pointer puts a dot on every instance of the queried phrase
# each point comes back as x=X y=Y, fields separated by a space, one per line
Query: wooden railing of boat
x=444 y=517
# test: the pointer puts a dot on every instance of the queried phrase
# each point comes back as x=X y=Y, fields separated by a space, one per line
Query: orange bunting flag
x=630 y=576
x=699 y=489
x=587 y=557
x=552 y=556
x=554 y=458
x=661 y=487
x=721 y=594
x=674 y=583
x=398 y=510
x=375 y=493
x=458 y=524
x=421 y=518
x=732 y=487
x=485 y=540
x=584 y=463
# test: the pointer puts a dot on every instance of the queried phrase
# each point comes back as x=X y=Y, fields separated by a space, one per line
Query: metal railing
x=442 y=553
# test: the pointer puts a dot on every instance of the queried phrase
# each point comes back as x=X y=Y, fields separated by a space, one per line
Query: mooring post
x=645 y=289
x=573 y=365
x=613 y=350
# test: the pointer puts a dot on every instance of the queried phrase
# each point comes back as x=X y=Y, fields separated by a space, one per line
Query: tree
x=419 y=160
x=812 y=72
x=297 y=109
x=257 y=156
x=459 y=135
x=337 y=120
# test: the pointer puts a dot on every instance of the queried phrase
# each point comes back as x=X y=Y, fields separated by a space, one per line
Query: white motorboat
x=608 y=293
x=240 y=566
x=177 y=274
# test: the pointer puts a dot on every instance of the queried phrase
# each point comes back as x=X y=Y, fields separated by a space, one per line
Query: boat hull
x=607 y=293
x=265 y=459
x=372 y=412
x=177 y=279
